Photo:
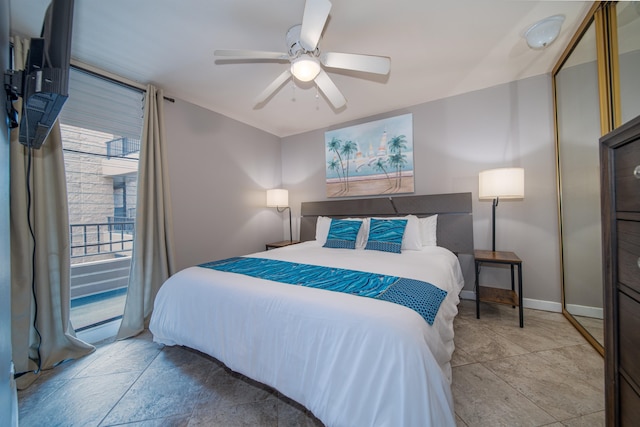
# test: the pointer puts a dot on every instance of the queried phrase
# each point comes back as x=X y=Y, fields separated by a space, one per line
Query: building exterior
x=101 y=171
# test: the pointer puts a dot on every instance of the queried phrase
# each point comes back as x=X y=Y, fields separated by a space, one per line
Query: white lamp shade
x=504 y=183
x=305 y=68
x=277 y=197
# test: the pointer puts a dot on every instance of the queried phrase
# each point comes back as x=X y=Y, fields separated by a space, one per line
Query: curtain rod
x=111 y=76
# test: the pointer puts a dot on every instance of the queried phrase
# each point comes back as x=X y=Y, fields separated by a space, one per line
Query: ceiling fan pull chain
x=293 y=91
x=317 y=98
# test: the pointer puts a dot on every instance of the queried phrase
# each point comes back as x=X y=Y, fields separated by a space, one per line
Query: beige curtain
x=152 y=259
x=54 y=340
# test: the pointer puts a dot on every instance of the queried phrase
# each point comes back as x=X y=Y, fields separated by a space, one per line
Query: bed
x=351 y=360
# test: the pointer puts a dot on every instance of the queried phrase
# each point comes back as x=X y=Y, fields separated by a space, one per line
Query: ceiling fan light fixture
x=544 y=32
x=305 y=68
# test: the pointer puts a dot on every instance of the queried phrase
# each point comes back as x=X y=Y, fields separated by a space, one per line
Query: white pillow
x=411 y=239
x=322 y=229
x=363 y=233
x=428 y=230
x=323 y=224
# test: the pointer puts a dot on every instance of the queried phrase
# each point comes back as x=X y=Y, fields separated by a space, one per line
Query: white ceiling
x=437 y=48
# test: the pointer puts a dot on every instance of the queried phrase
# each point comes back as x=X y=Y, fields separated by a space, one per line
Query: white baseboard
x=583 y=310
x=100 y=332
x=535 y=304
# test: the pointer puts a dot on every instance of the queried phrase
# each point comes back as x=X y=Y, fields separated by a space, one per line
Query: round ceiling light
x=305 y=68
x=544 y=32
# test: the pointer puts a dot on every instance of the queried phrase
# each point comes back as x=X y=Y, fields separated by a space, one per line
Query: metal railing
x=101 y=238
x=120 y=223
x=122 y=147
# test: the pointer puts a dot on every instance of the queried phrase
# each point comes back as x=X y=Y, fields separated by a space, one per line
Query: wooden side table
x=282 y=244
x=501 y=296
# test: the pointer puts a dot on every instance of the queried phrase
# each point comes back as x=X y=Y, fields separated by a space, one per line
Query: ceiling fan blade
x=330 y=90
x=315 y=16
x=251 y=54
x=351 y=61
x=275 y=85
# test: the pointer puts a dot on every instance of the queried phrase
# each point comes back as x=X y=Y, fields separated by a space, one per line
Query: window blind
x=103 y=105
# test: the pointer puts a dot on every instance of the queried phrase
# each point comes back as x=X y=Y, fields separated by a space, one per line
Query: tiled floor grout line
x=128 y=388
x=520 y=393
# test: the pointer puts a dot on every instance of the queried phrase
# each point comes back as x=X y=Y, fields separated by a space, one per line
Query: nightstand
x=501 y=296
x=282 y=244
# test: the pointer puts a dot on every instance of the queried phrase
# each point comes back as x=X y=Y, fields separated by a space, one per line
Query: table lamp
x=279 y=198
x=496 y=184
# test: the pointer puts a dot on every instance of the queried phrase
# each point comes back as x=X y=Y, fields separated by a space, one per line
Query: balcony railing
x=121 y=223
x=102 y=238
x=122 y=147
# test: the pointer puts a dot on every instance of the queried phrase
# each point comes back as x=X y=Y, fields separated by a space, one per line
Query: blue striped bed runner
x=422 y=297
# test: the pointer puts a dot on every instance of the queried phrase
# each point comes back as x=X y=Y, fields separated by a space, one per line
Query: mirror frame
x=602 y=15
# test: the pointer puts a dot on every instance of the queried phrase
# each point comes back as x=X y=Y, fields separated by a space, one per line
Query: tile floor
x=543 y=375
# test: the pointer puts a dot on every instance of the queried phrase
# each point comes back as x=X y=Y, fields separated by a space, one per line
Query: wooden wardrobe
x=620 y=178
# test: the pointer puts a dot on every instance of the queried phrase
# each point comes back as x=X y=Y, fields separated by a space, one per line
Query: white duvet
x=352 y=361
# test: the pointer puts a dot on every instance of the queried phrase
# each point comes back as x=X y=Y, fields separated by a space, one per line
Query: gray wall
x=220 y=168
x=219 y=171
x=8 y=416
x=454 y=139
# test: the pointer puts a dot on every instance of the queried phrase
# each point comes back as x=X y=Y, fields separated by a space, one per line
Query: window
x=101 y=126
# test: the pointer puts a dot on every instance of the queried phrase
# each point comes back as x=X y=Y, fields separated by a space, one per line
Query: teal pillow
x=386 y=234
x=342 y=234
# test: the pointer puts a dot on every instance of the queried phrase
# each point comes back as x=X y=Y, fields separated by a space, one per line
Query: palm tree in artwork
x=348 y=148
x=379 y=166
x=397 y=159
x=334 y=146
x=334 y=165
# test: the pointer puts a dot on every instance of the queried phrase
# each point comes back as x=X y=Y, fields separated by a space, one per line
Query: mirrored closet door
x=627 y=23
x=596 y=89
x=578 y=130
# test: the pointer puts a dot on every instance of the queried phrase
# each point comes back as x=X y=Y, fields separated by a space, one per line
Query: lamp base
x=290 y=228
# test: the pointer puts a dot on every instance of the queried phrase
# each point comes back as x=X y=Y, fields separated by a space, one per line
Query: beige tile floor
x=545 y=374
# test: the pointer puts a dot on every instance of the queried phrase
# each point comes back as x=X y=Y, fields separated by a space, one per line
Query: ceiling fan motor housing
x=293 y=42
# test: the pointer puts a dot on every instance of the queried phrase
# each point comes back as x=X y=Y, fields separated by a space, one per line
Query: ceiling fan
x=307 y=61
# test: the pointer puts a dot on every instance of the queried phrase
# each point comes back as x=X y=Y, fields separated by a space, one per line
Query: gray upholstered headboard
x=455 y=220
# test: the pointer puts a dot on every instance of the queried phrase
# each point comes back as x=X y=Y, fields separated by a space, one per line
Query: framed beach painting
x=371 y=158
